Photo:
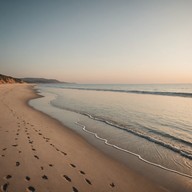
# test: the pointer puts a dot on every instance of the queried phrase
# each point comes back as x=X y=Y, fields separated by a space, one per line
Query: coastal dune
x=37 y=153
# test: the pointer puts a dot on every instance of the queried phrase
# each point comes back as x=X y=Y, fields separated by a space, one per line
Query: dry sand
x=38 y=154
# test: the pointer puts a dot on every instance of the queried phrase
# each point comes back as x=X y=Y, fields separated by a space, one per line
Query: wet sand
x=37 y=153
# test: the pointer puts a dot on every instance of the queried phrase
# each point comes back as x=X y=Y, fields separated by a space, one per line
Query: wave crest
x=177 y=94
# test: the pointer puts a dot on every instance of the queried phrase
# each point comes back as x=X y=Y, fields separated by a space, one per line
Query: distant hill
x=8 y=79
x=40 y=80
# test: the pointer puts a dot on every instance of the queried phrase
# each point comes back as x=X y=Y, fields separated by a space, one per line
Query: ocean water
x=152 y=122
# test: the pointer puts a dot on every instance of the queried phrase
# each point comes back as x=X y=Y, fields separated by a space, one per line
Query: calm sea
x=153 y=122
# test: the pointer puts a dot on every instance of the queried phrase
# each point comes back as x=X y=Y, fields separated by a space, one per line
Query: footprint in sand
x=31 y=189
x=4 y=187
x=72 y=165
x=112 y=184
x=44 y=177
x=75 y=189
x=8 y=177
x=67 y=178
x=27 y=178
x=82 y=172
x=63 y=153
x=36 y=156
x=88 y=181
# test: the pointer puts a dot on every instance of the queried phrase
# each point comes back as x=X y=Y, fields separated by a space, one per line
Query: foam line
x=135 y=154
x=159 y=142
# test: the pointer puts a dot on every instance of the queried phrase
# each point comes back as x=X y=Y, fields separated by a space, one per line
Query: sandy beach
x=37 y=153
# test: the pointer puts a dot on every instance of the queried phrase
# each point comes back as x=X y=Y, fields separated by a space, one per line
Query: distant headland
x=40 y=80
x=8 y=79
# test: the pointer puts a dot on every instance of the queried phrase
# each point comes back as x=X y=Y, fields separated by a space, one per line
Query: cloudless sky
x=101 y=41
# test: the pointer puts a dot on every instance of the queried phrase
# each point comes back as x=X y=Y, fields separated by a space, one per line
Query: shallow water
x=151 y=121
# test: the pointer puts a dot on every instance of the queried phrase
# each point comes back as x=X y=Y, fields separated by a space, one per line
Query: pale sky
x=100 y=41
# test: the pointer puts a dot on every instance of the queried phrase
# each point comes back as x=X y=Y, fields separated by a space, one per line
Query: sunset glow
x=97 y=42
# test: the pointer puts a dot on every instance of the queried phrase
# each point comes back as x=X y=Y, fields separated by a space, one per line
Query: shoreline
x=134 y=154
x=162 y=176
x=59 y=157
